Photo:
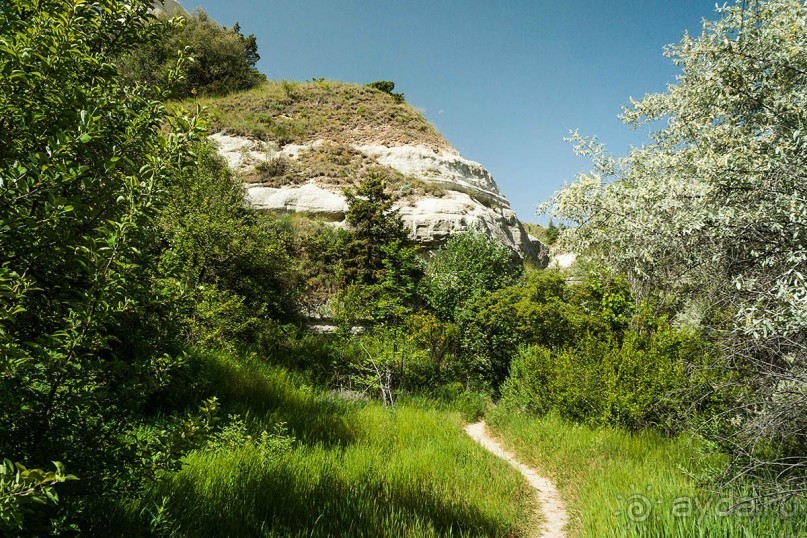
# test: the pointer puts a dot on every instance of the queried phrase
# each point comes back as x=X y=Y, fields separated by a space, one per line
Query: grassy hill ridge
x=288 y=112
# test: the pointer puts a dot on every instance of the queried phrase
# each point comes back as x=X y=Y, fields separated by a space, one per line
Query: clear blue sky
x=503 y=81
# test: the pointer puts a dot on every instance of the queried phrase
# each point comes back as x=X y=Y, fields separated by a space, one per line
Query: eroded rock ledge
x=461 y=193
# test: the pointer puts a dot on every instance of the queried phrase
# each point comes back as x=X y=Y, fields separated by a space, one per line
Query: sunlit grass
x=298 y=112
x=355 y=469
x=637 y=485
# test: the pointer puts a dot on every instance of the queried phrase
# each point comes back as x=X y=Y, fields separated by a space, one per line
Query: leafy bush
x=457 y=286
x=712 y=214
x=527 y=388
x=584 y=350
x=438 y=338
x=540 y=309
x=387 y=86
x=121 y=232
x=222 y=59
x=470 y=265
x=87 y=327
x=231 y=263
x=636 y=383
x=235 y=434
x=22 y=488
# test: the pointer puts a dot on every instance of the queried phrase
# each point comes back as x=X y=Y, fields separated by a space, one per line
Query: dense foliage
x=470 y=265
x=221 y=60
x=231 y=265
x=710 y=221
x=84 y=163
x=141 y=297
x=123 y=241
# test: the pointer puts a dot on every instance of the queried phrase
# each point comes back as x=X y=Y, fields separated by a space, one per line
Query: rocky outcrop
x=171 y=8
x=466 y=194
x=309 y=199
x=563 y=260
x=445 y=169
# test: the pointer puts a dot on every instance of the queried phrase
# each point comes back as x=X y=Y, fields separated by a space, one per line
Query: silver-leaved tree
x=710 y=218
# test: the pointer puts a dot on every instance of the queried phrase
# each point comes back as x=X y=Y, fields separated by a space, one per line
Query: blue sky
x=503 y=81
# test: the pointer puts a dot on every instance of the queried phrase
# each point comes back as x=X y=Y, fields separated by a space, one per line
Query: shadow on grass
x=330 y=484
x=298 y=501
x=266 y=395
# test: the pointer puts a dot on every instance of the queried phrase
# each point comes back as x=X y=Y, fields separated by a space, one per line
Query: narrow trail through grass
x=551 y=507
x=618 y=484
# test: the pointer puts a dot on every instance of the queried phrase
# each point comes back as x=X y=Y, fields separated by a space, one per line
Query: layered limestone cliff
x=439 y=192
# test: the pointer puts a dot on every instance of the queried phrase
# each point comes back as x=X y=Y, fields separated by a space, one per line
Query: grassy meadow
x=618 y=484
x=328 y=466
x=295 y=460
x=298 y=112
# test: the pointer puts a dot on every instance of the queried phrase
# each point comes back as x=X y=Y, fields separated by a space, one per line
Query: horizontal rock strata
x=466 y=195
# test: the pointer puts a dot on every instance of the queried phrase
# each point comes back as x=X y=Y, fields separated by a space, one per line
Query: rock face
x=169 y=7
x=465 y=194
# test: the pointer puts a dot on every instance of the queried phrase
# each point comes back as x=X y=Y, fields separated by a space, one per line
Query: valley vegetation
x=157 y=376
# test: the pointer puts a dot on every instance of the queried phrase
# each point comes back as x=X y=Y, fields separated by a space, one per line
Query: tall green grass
x=638 y=485
x=354 y=469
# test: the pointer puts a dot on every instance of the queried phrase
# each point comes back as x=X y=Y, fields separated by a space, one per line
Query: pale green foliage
x=470 y=265
x=715 y=209
x=236 y=434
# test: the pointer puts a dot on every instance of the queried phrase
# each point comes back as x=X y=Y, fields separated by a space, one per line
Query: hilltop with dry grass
x=302 y=112
x=296 y=145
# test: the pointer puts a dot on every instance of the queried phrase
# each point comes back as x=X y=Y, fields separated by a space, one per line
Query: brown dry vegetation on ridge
x=334 y=165
x=301 y=112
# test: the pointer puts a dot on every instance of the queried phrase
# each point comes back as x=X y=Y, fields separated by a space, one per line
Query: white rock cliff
x=469 y=198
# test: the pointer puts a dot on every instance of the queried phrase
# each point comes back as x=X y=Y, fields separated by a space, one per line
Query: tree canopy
x=221 y=59
x=711 y=217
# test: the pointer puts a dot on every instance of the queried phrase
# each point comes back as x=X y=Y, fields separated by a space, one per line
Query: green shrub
x=23 y=490
x=318 y=250
x=528 y=386
x=222 y=59
x=456 y=396
x=586 y=351
x=469 y=266
x=387 y=86
x=438 y=338
x=541 y=309
x=231 y=264
x=634 y=383
x=86 y=319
